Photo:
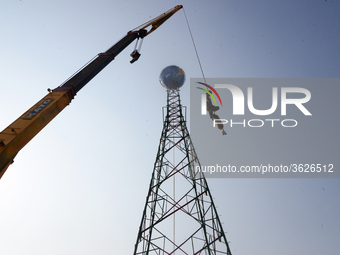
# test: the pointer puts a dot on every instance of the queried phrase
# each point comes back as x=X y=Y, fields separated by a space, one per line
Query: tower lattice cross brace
x=179 y=216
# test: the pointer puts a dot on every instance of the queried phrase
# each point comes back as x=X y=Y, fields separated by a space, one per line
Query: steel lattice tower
x=180 y=195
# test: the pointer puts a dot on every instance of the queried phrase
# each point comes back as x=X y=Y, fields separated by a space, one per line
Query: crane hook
x=135 y=54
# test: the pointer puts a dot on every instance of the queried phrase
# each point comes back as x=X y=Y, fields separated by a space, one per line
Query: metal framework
x=179 y=216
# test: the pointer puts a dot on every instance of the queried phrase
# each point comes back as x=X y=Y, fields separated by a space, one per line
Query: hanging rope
x=193 y=42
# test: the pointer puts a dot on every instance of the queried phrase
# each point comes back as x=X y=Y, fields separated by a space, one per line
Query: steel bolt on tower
x=190 y=204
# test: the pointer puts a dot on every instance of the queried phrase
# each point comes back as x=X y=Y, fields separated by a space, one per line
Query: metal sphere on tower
x=172 y=77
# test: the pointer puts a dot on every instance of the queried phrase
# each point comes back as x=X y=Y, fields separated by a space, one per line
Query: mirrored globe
x=172 y=77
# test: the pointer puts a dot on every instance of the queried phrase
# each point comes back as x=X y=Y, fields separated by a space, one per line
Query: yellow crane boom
x=21 y=131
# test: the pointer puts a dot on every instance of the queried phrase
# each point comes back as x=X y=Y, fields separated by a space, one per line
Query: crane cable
x=193 y=42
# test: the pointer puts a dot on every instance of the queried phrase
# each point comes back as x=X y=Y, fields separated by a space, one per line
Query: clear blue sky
x=79 y=186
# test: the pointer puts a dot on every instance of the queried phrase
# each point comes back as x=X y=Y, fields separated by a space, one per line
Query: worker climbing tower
x=179 y=216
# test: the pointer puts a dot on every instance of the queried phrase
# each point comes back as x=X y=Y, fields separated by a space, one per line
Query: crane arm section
x=21 y=131
x=156 y=22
